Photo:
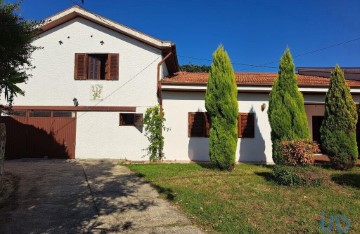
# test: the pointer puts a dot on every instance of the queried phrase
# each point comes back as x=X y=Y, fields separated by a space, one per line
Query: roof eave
x=76 y=11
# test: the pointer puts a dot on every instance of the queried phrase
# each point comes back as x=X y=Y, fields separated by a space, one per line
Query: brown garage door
x=34 y=134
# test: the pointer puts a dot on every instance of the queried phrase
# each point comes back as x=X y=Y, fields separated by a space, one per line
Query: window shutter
x=122 y=120
x=80 y=67
x=207 y=124
x=198 y=125
x=191 y=117
x=112 y=67
x=246 y=125
x=138 y=120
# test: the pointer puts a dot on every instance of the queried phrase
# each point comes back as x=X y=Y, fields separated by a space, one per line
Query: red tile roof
x=250 y=79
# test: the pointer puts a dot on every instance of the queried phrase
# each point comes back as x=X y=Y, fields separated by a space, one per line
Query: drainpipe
x=159 y=91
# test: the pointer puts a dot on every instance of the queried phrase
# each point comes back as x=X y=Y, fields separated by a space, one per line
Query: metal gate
x=38 y=134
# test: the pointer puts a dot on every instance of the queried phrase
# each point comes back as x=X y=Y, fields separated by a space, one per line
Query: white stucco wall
x=98 y=134
x=178 y=146
x=53 y=81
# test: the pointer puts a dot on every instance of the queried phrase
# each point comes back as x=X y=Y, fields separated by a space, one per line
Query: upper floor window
x=96 y=66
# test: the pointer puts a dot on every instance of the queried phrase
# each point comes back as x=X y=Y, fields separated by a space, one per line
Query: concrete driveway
x=61 y=196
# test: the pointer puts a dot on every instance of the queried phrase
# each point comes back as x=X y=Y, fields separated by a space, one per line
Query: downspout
x=159 y=91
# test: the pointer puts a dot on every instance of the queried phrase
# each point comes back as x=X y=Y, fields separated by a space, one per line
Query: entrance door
x=316 y=124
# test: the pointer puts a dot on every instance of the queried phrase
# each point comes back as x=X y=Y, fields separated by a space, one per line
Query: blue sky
x=253 y=32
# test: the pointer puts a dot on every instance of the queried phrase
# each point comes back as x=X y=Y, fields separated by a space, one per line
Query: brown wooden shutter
x=198 y=125
x=80 y=67
x=138 y=120
x=207 y=124
x=122 y=120
x=246 y=125
x=112 y=67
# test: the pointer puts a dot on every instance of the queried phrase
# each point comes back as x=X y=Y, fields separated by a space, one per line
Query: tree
x=154 y=122
x=222 y=106
x=15 y=49
x=338 y=129
x=286 y=108
x=194 y=68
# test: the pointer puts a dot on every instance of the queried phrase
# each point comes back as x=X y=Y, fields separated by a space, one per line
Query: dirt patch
x=11 y=184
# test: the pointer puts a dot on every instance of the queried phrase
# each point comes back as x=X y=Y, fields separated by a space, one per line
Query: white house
x=184 y=94
x=95 y=78
x=111 y=73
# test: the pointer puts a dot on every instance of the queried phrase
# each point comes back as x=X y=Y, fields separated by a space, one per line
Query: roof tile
x=250 y=79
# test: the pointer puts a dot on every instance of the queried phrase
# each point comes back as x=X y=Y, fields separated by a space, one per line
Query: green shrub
x=298 y=176
x=222 y=107
x=338 y=129
x=286 y=111
x=299 y=152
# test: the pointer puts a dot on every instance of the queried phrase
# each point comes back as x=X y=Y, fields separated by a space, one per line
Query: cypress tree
x=222 y=107
x=338 y=129
x=286 y=108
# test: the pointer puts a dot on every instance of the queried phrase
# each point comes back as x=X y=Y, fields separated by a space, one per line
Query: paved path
x=96 y=196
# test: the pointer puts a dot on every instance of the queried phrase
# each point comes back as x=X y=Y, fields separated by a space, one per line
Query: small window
x=40 y=113
x=96 y=67
x=16 y=113
x=246 y=128
x=198 y=124
x=65 y=114
x=131 y=119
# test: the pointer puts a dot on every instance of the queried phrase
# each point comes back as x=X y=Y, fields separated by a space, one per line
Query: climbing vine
x=154 y=126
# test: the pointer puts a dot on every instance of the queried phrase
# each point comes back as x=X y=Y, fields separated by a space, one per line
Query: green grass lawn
x=246 y=200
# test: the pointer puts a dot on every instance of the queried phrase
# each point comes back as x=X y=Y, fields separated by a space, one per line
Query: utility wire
x=235 y=63
x=112 y=93
x=266 y=65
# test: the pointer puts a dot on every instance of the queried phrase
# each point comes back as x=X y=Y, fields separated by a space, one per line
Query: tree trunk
x=2 y=153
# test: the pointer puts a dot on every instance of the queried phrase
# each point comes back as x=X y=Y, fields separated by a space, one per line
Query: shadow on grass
x=348 y=179
x=268 y=176
x=166 y=191
x=207 y=165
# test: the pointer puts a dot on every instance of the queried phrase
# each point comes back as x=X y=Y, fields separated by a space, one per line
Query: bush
x=338 y=129
x=299 y=152
x=298 y=176
x=286 y=111
x=222 y=107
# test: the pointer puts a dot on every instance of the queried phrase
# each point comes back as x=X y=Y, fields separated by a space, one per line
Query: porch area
x=315 y=116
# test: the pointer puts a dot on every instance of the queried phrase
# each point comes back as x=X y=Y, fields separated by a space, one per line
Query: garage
x=40 y=133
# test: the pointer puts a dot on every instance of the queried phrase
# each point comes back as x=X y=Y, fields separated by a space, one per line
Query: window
x=15 y=113
x=199 y=125
x=40 y=113
x=96 y=67
x=246 y=128
x=131 y=119
x=64 y=114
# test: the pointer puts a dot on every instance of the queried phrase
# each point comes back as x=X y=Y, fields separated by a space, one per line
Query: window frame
x=137 y=121
x=206 y=125
x=108 y=66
